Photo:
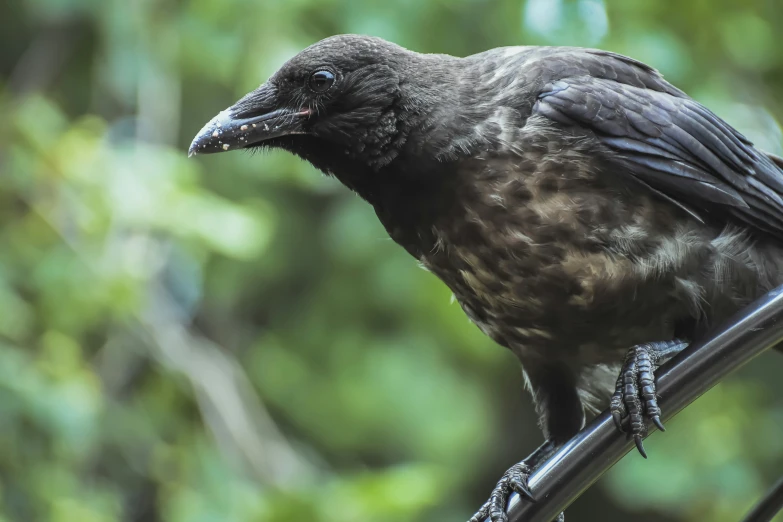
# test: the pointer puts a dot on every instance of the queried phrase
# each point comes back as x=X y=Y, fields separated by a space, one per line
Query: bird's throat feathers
x=407 y=193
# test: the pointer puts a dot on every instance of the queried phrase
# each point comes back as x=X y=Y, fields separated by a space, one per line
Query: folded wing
x=675 y=145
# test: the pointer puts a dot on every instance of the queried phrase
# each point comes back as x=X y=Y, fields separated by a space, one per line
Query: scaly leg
x=634 y=398
x=562 y=416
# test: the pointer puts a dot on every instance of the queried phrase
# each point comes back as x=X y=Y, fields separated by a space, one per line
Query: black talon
x=638 y=440
x=657 y=421
x=523 y=491
x=618 y=420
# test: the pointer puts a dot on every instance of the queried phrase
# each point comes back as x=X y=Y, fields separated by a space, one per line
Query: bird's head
x=346 y=102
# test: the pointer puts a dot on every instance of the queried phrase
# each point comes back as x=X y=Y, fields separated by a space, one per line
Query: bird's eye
x=321 y=81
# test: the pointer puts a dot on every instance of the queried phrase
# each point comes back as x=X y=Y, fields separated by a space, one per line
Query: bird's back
x=661 y=136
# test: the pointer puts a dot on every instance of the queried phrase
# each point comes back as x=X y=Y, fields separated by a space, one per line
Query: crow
x=586 y=214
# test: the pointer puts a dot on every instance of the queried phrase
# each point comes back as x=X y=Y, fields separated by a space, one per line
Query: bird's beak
x=251 y=120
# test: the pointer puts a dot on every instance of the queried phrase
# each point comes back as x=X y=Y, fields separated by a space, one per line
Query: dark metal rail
x=578 y=464
x=769 y=505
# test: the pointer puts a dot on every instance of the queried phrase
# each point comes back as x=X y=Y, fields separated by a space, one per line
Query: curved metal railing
x=578 y=464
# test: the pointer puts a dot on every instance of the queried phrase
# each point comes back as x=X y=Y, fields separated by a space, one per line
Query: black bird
x=584 y=212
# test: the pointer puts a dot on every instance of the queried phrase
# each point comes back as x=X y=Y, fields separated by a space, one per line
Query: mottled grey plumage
x=576 y=203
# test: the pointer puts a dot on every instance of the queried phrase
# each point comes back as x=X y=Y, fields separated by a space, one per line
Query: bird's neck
x=409 y=194
x=409 y=207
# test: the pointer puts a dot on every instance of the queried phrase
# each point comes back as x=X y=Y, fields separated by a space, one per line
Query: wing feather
x=673 y=144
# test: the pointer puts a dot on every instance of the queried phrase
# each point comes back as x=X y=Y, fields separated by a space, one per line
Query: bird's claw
x=513 y=480
x=634 y=398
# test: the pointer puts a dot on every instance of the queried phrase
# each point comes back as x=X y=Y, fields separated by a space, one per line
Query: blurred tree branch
x=43 y=60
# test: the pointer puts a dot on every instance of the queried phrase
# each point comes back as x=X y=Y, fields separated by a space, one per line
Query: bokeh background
x=233 y=338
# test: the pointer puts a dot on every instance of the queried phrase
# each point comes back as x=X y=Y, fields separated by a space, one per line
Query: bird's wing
x=673 y=144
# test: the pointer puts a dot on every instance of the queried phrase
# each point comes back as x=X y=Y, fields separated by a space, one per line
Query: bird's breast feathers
x=534 y=249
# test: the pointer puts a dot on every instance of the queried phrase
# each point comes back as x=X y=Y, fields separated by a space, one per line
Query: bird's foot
x=513 y=480
x=635 y=398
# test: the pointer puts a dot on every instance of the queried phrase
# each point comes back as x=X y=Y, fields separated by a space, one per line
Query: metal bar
x=769 y=505
x=578 y=464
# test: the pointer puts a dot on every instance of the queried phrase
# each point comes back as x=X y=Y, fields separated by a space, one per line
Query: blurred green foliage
x=234 y=338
